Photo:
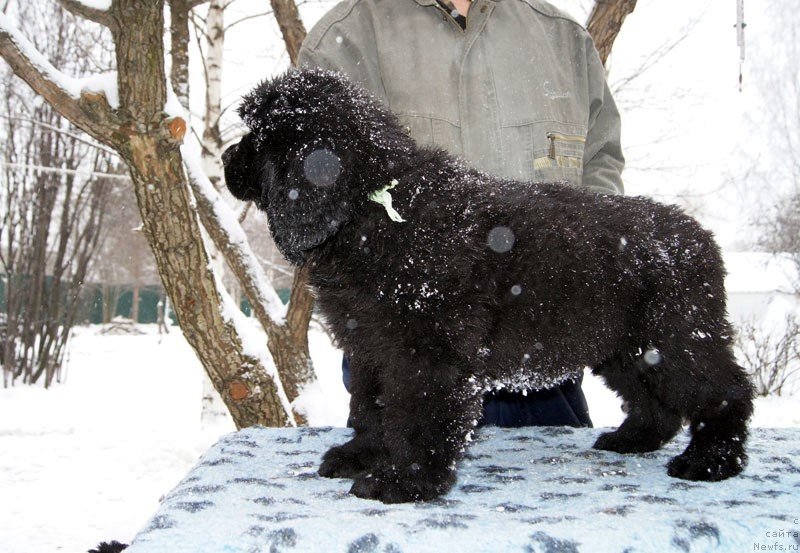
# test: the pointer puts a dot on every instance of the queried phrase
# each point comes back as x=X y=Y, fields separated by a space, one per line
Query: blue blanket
x=529 y=489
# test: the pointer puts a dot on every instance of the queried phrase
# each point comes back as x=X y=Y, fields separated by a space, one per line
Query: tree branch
x=291 y=26
x=64 y=132
x=89 y=111
x=605 y=22
x=222 y=226
x=301 y=302
x=103 y=17
x=232 y=242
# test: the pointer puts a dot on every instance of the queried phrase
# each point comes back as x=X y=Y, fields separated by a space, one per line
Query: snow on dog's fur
x=469 y=282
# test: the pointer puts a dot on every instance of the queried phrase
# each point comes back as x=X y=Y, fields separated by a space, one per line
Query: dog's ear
x=311 y=200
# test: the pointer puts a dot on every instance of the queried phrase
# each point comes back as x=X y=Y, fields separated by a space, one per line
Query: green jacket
x=520 y=93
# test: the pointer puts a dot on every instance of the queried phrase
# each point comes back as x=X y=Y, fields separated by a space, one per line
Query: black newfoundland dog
x=441 y=282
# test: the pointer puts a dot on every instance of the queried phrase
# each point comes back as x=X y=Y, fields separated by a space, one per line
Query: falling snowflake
x=500 y=239
x=652 y=357
x=322 y=167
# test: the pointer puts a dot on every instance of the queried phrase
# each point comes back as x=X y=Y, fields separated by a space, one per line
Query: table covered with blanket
x=529 y=489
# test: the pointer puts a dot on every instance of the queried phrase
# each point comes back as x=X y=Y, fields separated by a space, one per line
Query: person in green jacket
x=514 y=87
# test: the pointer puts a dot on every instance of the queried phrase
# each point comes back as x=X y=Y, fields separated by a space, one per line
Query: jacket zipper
x=553 y=136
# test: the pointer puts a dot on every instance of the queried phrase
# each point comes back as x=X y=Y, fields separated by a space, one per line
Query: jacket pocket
x=561 y=158
x=432 y=131
x=418 y=127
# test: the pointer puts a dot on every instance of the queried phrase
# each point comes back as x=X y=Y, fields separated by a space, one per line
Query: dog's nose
x=226 y=155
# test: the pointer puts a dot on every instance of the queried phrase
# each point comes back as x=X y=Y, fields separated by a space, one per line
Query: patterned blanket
x=531 y=489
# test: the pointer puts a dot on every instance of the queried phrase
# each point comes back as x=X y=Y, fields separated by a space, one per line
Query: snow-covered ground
x=89 y=459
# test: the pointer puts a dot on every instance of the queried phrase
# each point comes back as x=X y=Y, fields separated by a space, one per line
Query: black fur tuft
x=106 y=547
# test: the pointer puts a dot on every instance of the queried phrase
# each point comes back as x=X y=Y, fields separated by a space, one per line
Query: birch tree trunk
x=215 y=44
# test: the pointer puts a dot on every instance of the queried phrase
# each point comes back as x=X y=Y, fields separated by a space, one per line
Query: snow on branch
x=86 y=102
x=231 y=240
x=93 y=10
x=222 y=225
x=254 y=346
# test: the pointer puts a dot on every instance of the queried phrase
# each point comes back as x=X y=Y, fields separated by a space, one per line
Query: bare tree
x=779 y=171
x=287 y=342
x=52 y=212
x=773 y=356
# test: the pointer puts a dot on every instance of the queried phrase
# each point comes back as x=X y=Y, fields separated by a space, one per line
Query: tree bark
x=605 y=22
x=292 y=28
x=179 y=46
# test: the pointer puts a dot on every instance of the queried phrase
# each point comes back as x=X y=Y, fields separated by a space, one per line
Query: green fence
x=90 y=308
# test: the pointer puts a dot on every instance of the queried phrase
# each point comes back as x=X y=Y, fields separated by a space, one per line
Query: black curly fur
x=488 y=282
x=106 y=547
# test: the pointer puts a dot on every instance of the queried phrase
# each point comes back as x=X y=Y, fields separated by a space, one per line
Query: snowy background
x=90 y=458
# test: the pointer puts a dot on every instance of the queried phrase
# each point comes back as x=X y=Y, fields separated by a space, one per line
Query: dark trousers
x=564 y=405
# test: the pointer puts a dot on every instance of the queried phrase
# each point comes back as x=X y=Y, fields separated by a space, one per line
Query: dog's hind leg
x=649 y=423
x=718 y=425
x=430 y=410
x=366 y=448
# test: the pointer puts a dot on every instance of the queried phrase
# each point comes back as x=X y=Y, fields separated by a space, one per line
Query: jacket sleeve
x=603 y=159
x=344 y=40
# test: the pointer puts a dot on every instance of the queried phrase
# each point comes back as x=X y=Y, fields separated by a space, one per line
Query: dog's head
x=318 y=145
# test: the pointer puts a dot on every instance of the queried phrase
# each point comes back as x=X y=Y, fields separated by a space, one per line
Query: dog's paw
x=342 y=462
x=389 y=486
x=626 y=443
x=708 y=465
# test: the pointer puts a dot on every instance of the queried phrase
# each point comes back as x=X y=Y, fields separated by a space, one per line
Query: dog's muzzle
x=229 y=151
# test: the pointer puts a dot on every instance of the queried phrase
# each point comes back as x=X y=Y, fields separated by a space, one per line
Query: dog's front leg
x=365 y=450
x=430 y=409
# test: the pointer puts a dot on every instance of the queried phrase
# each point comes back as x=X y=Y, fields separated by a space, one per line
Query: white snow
x=755 y=272
x=172 y=106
